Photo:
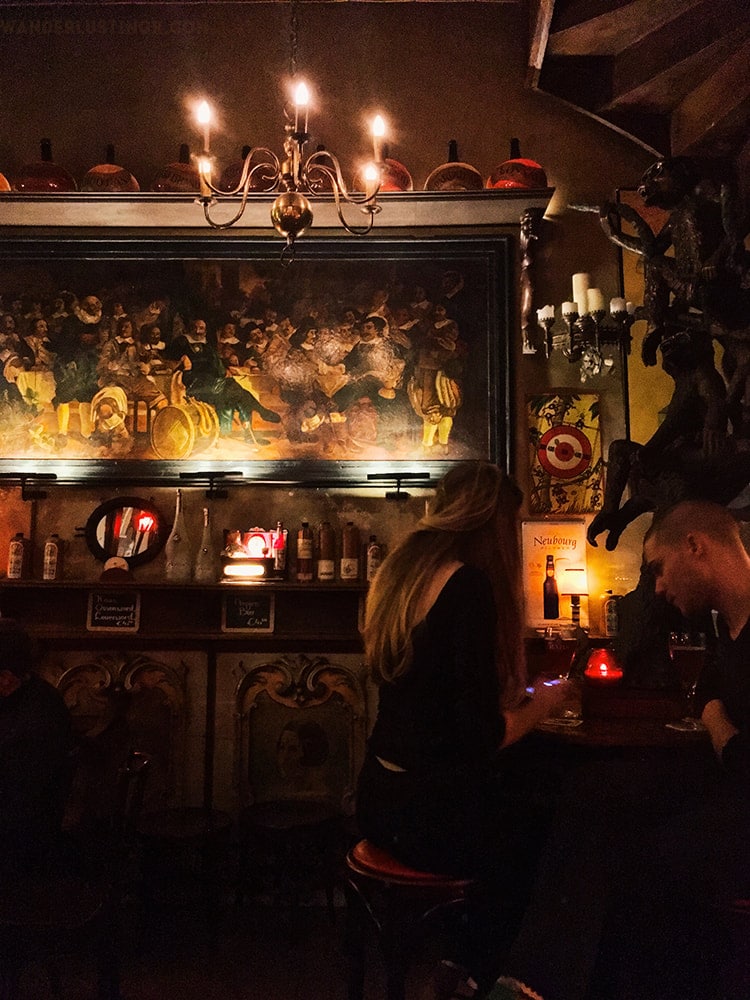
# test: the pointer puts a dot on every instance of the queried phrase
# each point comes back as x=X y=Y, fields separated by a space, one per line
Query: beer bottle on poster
x=551 y=595
x=350 y=552
x=305 y=553
x=326 y=567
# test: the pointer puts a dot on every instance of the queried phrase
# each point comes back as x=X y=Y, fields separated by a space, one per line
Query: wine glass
x=688 y=662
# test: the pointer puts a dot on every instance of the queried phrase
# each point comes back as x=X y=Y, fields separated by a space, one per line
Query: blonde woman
x=443 y=642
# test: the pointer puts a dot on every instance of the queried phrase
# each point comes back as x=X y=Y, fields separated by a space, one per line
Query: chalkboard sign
x=114 y=611
x=247 y=612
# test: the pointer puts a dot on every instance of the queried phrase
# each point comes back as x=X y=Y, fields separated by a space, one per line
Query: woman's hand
x=545 y=696
x=550 y=693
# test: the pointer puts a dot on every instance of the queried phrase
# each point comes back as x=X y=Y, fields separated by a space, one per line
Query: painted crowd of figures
x=383 y=377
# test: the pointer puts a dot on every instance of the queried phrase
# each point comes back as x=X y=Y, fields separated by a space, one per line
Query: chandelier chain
x=293 y=37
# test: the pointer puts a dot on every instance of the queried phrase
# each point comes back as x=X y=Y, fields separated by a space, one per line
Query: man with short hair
x=699 y=563
x=666 y=937
x=35 y=749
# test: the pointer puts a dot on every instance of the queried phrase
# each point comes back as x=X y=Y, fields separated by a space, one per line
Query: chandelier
x=296 y=176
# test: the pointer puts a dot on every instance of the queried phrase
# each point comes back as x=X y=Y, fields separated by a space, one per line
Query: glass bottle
x=79 y=563
x=205 y=563
x=19 y=557
x=52 y=562
x=279 y=548
x=551 y=595
x=374 y=557
x=305 y=553
x=326 y=566
x=350 y=552
x=179 y=564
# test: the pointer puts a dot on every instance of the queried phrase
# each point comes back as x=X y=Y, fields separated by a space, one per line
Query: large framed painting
x=157 y=355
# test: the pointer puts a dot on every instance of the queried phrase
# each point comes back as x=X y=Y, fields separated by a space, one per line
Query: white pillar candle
x=581 y=283
x=569 y=308
x=617 y=306
x=595 y=300
x=546 y=312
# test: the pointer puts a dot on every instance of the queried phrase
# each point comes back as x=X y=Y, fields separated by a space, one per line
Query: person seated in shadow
x=35 y=753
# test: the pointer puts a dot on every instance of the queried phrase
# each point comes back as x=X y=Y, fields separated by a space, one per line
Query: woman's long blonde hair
x=473 y=519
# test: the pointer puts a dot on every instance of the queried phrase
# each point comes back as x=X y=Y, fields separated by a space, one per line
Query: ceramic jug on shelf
x=44 y=176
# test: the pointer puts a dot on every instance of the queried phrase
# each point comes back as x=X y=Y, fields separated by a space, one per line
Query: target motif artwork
x=566 y=469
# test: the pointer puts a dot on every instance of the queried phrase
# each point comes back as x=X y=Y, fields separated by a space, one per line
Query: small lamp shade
x=602 y=668
x=575 y=585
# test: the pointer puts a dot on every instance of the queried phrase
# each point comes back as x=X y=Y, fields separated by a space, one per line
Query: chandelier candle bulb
x=372 y=180
x=204 y=174
x=378 y=134
x=301 y=100
x=204 y=120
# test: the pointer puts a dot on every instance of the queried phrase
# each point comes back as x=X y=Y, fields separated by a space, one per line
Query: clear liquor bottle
x=206 y=569
x=179 y=563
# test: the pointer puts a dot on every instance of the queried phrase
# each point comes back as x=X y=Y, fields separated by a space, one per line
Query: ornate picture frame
x=88 y=396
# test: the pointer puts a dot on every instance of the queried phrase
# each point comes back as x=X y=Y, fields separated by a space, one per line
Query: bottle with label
x=79 y=563
x=610 y=613
x=279 y=547
x=326 y=565
x=350 y=552
x=305 y=553
x=206 y=569
x=19 y=557
x=179 y=563
x=52 y=563
x=374 y=558
x=551 y=595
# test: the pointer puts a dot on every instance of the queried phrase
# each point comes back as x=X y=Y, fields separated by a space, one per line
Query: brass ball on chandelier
x=291 y=214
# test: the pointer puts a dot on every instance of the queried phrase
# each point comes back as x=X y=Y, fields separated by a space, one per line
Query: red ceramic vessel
x=109 y=177
x=44 y=176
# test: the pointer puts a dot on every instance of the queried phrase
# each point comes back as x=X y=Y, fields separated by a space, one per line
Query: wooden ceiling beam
x=583 y=29
x=691 y=45
x=540 y=17
x=717 y=107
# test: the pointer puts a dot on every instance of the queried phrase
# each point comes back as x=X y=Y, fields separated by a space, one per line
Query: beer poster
x=562 y=546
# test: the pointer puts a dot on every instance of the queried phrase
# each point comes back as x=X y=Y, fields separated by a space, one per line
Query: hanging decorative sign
x=566 y=467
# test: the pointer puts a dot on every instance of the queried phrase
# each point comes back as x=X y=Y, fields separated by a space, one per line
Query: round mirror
x=128 y=527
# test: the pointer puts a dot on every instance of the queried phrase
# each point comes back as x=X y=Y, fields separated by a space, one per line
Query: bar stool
x=399 y=903
x=179 y=844
x=735 y=915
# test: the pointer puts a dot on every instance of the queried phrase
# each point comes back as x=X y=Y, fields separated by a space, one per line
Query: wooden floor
x=258 y=957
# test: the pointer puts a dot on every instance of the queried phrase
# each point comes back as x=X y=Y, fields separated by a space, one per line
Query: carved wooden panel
x=120 y=703
x=300 y=731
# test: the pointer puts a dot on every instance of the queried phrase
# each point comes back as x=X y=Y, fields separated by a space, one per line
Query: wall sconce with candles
x=589 y=328
x=296 y=178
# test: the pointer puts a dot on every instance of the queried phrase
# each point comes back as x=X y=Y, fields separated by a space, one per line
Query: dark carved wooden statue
x=697 y=277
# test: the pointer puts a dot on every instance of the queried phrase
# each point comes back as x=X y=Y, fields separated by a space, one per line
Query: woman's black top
x=445 y=712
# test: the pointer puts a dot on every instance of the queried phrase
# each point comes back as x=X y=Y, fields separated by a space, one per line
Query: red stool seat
x=398 y=903
x=367 y=859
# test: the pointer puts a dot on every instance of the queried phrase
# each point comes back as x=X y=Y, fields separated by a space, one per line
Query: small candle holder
x=602 y=668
